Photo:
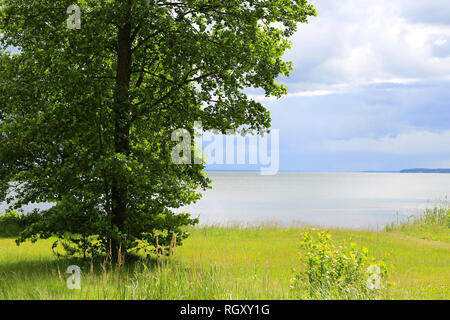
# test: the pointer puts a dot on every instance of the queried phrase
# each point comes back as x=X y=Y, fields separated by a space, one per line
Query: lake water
x=349 y=200
x=355 y=200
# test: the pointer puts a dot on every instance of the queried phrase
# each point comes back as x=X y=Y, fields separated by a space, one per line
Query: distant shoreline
x=425 y=171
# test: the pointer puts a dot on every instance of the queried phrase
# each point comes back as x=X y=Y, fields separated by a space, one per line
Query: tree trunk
x=119 y=189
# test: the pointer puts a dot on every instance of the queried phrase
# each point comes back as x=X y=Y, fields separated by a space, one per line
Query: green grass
x=222 y=263
x=432 y=224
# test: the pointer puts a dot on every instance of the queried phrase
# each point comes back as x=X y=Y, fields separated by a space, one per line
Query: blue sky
x=370 y=91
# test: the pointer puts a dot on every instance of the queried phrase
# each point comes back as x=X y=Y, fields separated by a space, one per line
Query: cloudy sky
x=371 y=88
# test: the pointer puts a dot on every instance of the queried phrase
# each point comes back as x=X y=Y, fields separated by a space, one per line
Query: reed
x=432 y=224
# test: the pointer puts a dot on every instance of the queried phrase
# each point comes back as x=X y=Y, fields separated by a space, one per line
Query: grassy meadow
x=230 y=263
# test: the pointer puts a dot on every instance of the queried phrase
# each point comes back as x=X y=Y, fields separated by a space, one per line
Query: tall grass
x=142 y=280
x=433 y=223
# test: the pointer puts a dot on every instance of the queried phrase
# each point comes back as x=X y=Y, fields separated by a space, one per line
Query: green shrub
x=13 y=223
x=337 y=271
x=10 y=224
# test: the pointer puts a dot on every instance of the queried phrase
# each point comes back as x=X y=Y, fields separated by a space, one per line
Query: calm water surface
x=356 y=200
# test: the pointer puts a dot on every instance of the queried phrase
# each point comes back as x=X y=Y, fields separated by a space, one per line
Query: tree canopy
x=86 y=115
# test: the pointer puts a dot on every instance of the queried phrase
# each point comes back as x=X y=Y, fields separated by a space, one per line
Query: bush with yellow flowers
x=334 y=271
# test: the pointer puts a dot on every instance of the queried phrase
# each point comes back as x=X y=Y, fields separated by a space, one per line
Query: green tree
x=87 y=113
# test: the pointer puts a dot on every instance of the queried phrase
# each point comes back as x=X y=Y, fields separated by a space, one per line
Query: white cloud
x=361 y=41
x=440 y=42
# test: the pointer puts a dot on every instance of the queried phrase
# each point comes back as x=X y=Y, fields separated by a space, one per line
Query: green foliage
x=87 y=114
x=12 y=223
x=337 y=271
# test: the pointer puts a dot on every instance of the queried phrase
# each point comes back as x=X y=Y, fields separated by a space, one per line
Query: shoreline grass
x=432 y=224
